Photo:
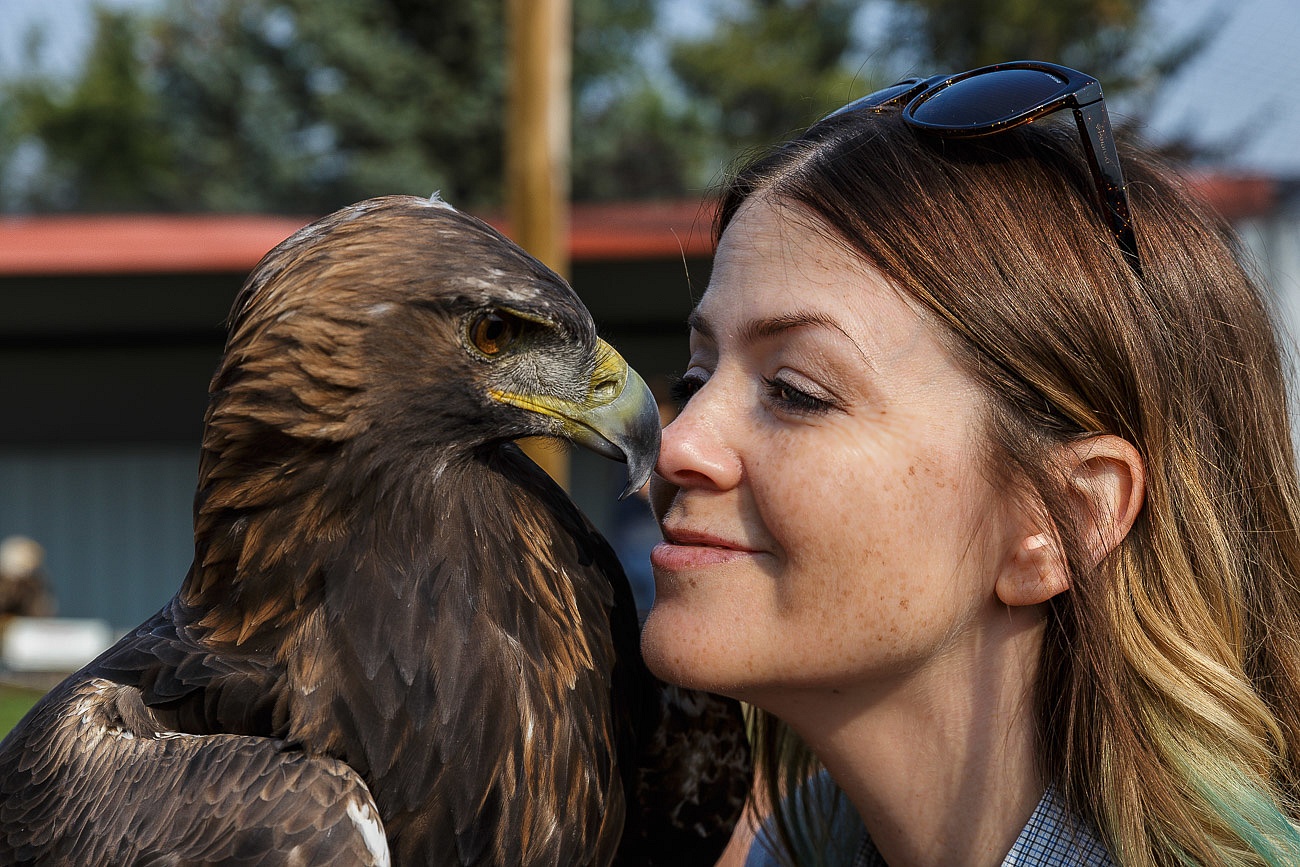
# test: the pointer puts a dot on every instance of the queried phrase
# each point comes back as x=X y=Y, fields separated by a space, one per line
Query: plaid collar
x=1053 y=837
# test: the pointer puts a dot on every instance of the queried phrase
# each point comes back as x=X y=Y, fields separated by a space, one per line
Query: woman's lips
x=685 y=549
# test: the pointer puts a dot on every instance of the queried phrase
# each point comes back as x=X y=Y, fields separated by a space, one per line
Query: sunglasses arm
x=1095 y=130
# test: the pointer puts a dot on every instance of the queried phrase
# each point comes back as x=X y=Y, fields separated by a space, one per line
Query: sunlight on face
x=826 y=519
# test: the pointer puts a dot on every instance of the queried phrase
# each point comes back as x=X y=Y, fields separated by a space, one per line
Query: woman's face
x=827 y=521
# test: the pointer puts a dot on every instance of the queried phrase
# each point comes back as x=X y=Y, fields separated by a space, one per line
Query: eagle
x=399 y=641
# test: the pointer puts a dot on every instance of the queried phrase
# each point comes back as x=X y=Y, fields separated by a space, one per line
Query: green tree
x=769 y=67
x=631 y=138
x=303 y=105
x=103 y=141
x=1094 y=35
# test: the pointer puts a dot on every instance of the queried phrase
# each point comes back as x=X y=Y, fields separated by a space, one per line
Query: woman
x=983 y=492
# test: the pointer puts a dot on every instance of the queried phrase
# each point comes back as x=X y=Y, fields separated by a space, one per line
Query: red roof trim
x=646 y=230
x=1236 y=196
x=130 y=244
x=118 y=244
x=114 y=244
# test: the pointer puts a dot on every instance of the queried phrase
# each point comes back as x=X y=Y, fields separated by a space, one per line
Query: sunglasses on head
x=991 y=99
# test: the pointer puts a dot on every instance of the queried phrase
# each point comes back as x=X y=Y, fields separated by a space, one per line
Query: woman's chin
x=680 y=650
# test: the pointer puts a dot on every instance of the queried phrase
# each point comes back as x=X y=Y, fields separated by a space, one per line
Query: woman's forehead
x=776 y=272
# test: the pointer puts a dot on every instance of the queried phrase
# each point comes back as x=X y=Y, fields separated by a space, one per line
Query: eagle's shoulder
x=81 y=784
x=195 y=685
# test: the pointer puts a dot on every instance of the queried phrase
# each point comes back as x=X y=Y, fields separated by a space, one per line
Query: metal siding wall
x=1273 y=245
x=115 y=523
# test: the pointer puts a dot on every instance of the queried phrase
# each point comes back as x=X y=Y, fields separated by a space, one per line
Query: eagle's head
x=400 y=325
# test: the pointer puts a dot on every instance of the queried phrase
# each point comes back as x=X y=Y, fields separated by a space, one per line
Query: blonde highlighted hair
x=1169 y=694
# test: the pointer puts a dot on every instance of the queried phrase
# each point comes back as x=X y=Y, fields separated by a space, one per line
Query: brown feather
x=392 y=614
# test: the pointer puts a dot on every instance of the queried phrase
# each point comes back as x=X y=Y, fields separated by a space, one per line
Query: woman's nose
x=697 y=450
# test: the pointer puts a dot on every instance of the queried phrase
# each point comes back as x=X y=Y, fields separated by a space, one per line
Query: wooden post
x=537 y=151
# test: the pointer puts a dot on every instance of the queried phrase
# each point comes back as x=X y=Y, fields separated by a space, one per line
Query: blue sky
x=1241 y=88
x=1244 y=83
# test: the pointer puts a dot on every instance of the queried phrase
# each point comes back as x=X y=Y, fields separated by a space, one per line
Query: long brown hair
x=1169 y=693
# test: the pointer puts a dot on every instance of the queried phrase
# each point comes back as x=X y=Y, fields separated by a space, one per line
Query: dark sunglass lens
x=989 y=98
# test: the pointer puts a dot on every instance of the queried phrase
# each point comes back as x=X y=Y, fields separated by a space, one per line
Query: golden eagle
x=399 y=641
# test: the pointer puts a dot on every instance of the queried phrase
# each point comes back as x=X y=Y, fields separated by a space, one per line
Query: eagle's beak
x=617 y=417
x=620 y=418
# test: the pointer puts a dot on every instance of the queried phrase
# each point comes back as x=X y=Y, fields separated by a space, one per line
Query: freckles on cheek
x=866 y=544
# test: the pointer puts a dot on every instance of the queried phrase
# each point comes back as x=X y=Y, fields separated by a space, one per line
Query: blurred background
x=152 y=150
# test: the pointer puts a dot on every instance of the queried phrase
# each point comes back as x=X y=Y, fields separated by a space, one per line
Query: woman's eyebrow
x=769 y=326
x=697 y=323
x=756 y=329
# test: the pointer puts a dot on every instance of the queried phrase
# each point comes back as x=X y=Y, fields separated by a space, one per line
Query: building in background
x=112 y=328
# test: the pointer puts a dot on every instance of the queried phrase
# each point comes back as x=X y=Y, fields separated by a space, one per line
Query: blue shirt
x=1053 y=837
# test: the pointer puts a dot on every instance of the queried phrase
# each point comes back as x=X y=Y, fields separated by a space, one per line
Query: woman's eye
x=684 y=388
x=794 y=400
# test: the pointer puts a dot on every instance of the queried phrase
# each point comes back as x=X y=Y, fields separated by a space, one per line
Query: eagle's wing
x=85 y=789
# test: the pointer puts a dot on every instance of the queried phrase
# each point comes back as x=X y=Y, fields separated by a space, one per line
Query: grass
x=14 y=702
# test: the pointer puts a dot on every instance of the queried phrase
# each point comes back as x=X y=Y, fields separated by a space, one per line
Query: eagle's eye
x=493 y=332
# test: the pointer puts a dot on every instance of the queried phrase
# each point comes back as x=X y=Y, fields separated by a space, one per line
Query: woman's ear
x=1037 y=569
x=1106 y=485
x=1108 y=481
